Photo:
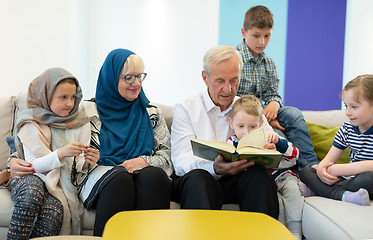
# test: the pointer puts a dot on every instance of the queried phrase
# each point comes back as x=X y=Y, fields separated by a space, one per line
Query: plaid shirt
x=259 y=76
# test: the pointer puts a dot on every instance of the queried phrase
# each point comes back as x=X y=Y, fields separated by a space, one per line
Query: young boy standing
x=247 y=116
x=259 y=78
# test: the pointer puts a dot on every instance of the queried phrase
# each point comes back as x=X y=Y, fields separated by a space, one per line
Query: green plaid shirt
x=259 y=76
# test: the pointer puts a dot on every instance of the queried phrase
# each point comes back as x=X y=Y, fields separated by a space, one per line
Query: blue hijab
x=126 y=130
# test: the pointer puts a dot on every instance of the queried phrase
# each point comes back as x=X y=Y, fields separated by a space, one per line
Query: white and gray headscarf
x=39 y=97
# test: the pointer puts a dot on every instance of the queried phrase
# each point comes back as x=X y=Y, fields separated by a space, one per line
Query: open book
x=250 y=147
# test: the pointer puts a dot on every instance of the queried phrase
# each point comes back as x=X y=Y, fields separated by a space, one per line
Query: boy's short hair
x=248 y=103
x=258 y=16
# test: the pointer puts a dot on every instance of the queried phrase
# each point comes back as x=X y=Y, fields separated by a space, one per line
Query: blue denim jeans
x=297 y=133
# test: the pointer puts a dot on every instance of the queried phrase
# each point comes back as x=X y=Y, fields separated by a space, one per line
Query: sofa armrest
x=6 y=123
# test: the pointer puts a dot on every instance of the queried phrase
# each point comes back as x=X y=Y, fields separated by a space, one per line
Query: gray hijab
x=39 y=97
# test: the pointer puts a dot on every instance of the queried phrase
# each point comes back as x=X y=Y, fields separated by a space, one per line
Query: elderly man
x=204 y=184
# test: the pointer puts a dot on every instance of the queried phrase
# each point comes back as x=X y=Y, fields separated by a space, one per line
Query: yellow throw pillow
x=322 y=139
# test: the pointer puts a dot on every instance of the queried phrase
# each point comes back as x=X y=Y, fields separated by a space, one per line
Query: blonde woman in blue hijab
x=134 y=143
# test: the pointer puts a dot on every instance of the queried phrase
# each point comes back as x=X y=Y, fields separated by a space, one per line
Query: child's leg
x=49 y=219
x=293 y=202
x=28 y=194
x=338 y=191
x=309 y=177
x=359 y=189
x=297 y=132
x=362 y=180
x=305 y=190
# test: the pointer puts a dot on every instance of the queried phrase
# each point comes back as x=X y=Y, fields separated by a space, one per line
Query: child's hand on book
x=222 y=167
x=272 y=137
x=270 y=146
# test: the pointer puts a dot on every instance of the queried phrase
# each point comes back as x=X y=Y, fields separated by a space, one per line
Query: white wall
x=358 y=57
x=170 y=36
x=34 y=35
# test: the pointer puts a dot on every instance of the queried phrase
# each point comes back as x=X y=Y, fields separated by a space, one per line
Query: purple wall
x=314 y=56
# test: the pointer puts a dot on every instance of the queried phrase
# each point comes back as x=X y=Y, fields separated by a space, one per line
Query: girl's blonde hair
x=134 y=63
x=362 y=86
x=250 y=104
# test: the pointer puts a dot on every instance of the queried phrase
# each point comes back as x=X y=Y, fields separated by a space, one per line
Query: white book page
x=255 y=138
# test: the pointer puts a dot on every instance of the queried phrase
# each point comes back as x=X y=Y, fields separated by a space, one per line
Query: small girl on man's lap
x=351 y=182
x=247 y=116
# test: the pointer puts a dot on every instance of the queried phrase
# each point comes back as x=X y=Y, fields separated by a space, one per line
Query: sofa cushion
x=6 y=207
x=20 y=105
x=331 y=118
x=322 y=139
x=6 y=123
x=339 y=220
x=167 y=113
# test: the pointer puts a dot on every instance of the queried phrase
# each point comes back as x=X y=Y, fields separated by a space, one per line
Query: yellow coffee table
x=193 y=224
x=68 y=237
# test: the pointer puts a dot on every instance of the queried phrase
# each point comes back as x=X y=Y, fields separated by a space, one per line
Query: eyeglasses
x=130 y=78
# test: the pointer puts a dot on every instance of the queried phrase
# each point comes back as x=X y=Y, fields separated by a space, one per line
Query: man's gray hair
x=219 y=54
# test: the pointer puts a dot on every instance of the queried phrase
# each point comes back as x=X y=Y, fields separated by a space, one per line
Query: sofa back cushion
x=20 y=105
x=6 y=123
x=331 y=118
x=322 y=126
x=167 y=113
x=322 y=139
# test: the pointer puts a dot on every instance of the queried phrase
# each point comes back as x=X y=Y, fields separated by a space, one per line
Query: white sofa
x=322 y=218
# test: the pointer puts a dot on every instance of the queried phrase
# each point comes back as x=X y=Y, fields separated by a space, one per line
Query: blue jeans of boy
x=297 y=133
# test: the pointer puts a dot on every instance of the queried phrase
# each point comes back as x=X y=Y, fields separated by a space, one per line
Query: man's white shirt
x=198 y=117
